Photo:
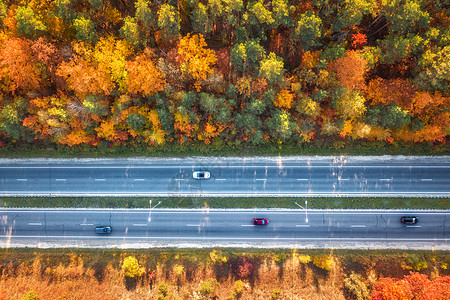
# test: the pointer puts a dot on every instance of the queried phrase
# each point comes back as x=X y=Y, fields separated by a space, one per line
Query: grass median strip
x=201 y=202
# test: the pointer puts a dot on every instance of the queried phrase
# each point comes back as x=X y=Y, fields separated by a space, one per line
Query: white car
x=201 y=175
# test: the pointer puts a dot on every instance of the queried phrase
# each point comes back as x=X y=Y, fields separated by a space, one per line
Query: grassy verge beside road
x=318 y=147
x=201 y=202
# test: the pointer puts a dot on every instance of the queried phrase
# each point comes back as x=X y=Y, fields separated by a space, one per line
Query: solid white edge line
x=302 y=225
x=86 y=224
x=220 y=179
x=34 y=224
x=60 y=179
x=224 y=238
x=246 y=225
x=426 y=179
x=22 y=179
x=224 y=166
x=139 y=179
x=414 y=226
x=193 y=225
x=99 y=179
x=358 y=226
x=234 y=194
x=224 y=211
x=302 y=179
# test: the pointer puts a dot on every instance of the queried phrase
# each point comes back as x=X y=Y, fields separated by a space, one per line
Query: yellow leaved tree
x=196 y=60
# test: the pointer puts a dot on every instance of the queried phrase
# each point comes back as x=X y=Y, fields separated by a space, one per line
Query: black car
x=410 y=220
x=103 y=229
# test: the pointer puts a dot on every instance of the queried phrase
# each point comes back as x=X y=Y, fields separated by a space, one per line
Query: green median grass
x=249 y=203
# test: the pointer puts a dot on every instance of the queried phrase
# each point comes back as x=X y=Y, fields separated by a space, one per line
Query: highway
x=175 y=227
x=243 y=177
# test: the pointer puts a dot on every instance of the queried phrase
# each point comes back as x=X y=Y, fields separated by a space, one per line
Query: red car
x=260 y=221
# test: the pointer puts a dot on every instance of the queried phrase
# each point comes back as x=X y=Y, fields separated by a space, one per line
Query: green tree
x=233 y=10
x=246 y=57
x=272 y=69
x=259 y=17
x=281 y=13
x=351 y=12
x=3 y=10
x=247 y=123
x=132 y=268
x=11 y=119
x=281 y=125
x=64 y=10
x=308 y=30
x=433 y=71
x=211 y=104
x=306 y=106
x=256 y=107
x=215 y=9
x=96 y=105
x=169 y=22
x=387 y=116
x=28 y=23
x=200 y=20
x=144 y=14
x=130 y=31
x=85 y=29
x=97 y=4
x=136 y=122
x=395 y=48
x=405 y=16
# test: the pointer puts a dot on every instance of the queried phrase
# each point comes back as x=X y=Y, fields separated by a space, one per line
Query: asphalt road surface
x=169 y=227
x=256 y=176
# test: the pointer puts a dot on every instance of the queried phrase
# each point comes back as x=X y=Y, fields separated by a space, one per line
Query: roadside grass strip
x=233 y=202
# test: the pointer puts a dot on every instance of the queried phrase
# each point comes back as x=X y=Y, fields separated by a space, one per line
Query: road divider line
x=87 y=224
x=414 y=226
x=220 y=179
x=302 y=225
x=302 y=179
x=35 y=224
x=385 y=179
x=261 y=179
x=60 y=179
x=100 y=179
x=139 y=225
x=358 y=226
x=22 y=179
x=193 y=225
x=426 y=179
x=139 y=179
x=343 y=179
x=248 y=225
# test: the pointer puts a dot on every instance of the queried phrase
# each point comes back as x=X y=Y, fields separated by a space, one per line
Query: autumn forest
x=223 y=73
